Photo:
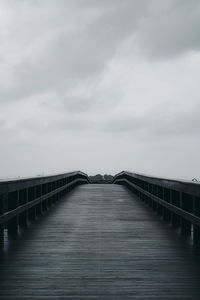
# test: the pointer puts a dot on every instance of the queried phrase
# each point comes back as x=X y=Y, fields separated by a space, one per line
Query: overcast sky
x=100 y=86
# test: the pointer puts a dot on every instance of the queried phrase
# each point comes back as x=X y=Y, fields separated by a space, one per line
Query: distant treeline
x=101 y=178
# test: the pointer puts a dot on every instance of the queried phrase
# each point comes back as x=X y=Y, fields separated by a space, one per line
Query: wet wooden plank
x=99 y=242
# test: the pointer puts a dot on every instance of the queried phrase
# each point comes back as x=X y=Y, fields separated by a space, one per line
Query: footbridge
x=62 y=237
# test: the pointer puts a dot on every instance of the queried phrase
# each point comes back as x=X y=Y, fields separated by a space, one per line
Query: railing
x=23 y=200
x=176 y=201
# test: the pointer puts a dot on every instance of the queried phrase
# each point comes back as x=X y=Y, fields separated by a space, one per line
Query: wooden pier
x=99 y=241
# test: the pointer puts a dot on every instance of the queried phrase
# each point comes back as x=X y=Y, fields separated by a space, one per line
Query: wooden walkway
x=99 y=242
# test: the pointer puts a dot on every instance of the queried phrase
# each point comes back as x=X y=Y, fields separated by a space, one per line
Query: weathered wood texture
x=23 y=200
x=100 y=242
x=177 y=201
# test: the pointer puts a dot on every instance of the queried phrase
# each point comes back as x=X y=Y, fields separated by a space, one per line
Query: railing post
x=66 y=190
x=47 y=202
x=160 y=195
x=50 y=202
x=147 y=189
x=44 y=205
x=32 y=210
x=1 y=225
x=175 y=200
x=167 y=198
x=23 y=199
x=56 y=186
x=150 y=191
x=196 y=228
x=21 y=194
x=54 y=196
x=13 y=201
x=154 y=204
x=185 y=224
x=39 y=205
x=183 y=197
x=1 y=236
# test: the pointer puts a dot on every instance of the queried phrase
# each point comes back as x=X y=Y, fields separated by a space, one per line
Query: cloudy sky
x=100 y=86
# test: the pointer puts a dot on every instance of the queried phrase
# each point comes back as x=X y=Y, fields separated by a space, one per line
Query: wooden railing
x=176 y=201
x=23 y=200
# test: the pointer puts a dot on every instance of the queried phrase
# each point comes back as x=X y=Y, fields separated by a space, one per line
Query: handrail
x=21 y=200
x=176 y=201
x=186 y=186
x=14 y=184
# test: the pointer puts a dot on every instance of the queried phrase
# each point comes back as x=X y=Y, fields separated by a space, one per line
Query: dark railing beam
x=177 y=202
x=22 y=201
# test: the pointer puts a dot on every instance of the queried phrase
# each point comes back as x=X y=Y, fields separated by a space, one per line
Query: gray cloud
x=187 y=123
x=159 y=122
x=94 y=76
x=73 y=42
x=123 y=123
x=77 y=104
x=57 y=125
x=170 y=30
x=77 y=47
